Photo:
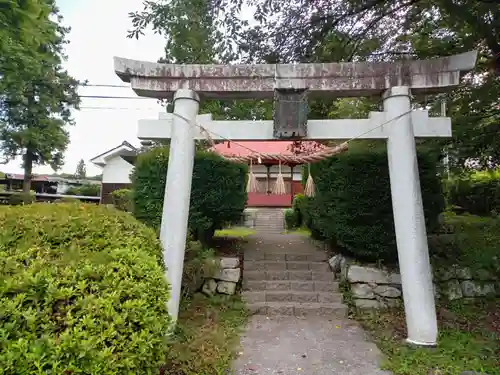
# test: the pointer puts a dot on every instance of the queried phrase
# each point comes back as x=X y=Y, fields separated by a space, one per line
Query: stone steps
x=298 y=275
x=333 y=310
x=269 y=221
x=295 y=285
x=281 y=256
x=270 y=265
x=291 y=296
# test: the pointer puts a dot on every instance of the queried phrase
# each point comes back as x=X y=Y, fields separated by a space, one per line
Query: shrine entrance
x=290 y=84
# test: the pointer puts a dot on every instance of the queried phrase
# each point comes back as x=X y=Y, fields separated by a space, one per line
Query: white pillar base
x=174 y=223
x=409 y=221
x=421 y=344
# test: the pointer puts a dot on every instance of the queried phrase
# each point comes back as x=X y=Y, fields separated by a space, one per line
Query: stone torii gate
x=394 y=82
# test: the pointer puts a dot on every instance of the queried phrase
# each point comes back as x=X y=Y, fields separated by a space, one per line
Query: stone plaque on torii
x=394 y=82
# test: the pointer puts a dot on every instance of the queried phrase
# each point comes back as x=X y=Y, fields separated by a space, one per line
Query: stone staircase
x=286 y=275
x=269 y=220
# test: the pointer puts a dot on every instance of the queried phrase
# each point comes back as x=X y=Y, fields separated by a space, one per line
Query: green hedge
x=82 y=291
x=353 y=208
x=122 y=199
x=86 y=190
x=291 y=219
x=477 y=193
x=218 y=195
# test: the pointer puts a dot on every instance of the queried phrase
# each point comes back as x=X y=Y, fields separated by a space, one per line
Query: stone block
x=477 y=289
x=226 y=287
x=387 y=291
x=358 y=274
x=209 y=287
x=335 y=263
x=452 y=290
x=368 y=304
x=363 y=291
x=229 y=274
x=229 y=263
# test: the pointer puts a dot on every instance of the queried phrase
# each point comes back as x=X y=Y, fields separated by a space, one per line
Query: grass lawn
x=207 y=336
x=469 y=331
x=301 y=231
x=235 y=232
x=469 y=340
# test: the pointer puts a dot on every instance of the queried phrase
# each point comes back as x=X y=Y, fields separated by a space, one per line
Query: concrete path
x=318 y=342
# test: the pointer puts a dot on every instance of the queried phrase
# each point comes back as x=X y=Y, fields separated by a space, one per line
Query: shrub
x=87 y=190
x=82 y=291
x=353 y=207
x=122 y=199
x=291 y=218
x=199 y=264
x=471 y=241
x=477 y=193
x=297 y=206
x=218 y=193
x=22 y=198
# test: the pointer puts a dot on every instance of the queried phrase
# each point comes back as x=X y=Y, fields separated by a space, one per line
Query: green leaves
x=36 y=93
x=218 y=193
x=353 y=208
x=82 y=291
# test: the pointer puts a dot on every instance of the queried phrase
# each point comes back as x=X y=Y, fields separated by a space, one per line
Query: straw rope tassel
x=309 y=190
x=252 y=183
x=279 y=186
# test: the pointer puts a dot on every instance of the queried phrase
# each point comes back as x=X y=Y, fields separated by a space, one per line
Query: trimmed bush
x=218 y=195
x=477 y=193
x=291 y=218
x=297 y=206
x=353 y=206
x=82 y=291
x=22 y=198
x=122 y=199
x=86 y=190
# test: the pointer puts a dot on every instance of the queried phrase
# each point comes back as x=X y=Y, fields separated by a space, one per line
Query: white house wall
x=116 y=171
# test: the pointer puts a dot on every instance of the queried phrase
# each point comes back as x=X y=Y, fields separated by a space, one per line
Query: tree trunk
x=28 y=171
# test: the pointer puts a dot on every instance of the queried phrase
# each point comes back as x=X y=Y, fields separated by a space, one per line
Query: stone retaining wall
x=225 y=279
x=372 y=287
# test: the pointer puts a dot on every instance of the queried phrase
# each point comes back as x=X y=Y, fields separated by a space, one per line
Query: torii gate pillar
x=174 y=223
x=394 y=81
x=409 y=220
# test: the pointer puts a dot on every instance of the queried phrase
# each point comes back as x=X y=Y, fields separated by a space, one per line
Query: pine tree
x=81 y=170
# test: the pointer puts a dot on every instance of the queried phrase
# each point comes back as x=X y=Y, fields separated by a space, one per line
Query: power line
x=103 y=85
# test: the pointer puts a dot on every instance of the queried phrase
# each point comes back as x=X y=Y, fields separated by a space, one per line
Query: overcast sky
x=98 y=32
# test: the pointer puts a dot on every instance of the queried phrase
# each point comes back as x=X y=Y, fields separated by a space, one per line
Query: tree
x=373 y=30
x=81 y=170
x=37 y=94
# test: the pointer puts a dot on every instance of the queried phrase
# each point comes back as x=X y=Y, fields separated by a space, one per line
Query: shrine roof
x=243 y=148
x=346 y=79
x=246 y=148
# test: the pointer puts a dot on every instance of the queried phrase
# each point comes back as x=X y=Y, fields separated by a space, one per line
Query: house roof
x=15 y=176
x=125 y=148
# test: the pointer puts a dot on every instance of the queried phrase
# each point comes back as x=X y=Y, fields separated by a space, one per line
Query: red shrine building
x=266 y=172
x=118 y=163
